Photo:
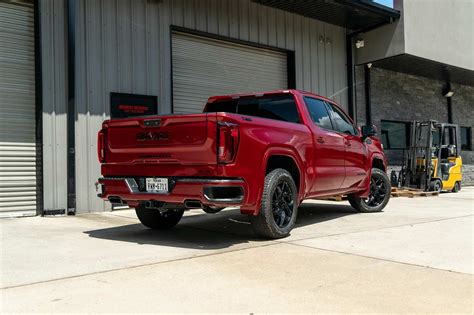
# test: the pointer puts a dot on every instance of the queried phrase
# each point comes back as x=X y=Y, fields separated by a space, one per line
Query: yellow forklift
x=433 y=161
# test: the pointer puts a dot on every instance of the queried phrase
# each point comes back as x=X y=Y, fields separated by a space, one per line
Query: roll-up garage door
x=17 y=108
x=203 y=67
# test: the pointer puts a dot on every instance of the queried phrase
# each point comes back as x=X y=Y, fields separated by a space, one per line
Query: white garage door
x=203 y=67
x=17 y=108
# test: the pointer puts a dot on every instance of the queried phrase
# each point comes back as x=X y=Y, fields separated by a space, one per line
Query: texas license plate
x=157 y=185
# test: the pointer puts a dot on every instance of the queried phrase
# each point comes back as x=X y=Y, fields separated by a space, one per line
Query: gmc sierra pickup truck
x=263 y=152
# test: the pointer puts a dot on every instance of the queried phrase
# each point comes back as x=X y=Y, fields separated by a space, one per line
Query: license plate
x=157 y=185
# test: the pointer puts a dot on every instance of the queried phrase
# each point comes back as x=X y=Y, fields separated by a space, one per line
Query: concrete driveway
x=415 y=257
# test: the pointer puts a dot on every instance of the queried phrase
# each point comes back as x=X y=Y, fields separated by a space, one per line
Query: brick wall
x=463 y=113
x=404 y=97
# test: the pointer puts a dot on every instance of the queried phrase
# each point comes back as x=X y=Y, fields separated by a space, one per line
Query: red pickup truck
x=263 y=152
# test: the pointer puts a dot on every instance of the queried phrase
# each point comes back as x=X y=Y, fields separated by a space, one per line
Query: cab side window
x=318 y=112
x=341 y=122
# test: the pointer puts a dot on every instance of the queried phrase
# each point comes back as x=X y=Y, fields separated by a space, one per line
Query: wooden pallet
x=412 y=193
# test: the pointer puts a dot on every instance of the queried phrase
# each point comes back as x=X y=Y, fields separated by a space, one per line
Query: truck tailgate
x=168 y=140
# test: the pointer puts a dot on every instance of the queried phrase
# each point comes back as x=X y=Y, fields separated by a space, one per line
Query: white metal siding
x=203 y=67
x=54 y=68
x=125 y=46
x=17 y=108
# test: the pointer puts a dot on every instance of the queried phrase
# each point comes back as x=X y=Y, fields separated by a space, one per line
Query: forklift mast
x=419 y=167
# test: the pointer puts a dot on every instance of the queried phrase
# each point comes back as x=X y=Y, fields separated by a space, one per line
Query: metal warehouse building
x=62 y=62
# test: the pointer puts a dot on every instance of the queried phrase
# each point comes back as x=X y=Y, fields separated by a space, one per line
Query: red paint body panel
x=185 y=148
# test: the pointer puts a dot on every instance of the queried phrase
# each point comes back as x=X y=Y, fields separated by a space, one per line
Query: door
x=329 y=150
x=17 y=109
x=355 y=158
x=204 y=67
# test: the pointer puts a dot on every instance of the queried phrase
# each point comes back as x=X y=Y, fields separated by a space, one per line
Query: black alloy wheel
x=279 y=206
x=282 y=204
x=378 y=190
x=379 y=194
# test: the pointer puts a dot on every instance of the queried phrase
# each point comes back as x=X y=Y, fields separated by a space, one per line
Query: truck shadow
x=215 y=231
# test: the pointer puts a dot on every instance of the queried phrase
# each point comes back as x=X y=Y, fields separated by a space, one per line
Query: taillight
x=101 y=146
x=228 y=134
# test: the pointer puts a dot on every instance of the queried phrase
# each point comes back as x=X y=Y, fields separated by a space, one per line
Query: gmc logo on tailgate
x=152 y=136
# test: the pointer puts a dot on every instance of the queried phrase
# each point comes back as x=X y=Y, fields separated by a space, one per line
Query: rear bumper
x=208 y=191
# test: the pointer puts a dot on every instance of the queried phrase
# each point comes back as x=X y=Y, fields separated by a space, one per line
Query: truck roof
x=290 y=91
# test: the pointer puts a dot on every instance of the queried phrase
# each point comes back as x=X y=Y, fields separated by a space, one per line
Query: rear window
x=279 y=107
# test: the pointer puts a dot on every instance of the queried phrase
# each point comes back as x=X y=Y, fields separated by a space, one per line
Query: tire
x=279 y=206
x=436 y=185
x=457 y=187
x=378 y=199
x=158 y=220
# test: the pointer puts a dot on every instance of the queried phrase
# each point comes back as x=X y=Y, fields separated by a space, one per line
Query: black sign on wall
x=130 y=105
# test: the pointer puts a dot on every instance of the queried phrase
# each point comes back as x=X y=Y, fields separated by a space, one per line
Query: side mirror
x=368 y=131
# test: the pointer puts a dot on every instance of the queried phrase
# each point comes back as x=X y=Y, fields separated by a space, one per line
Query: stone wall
x=463 y=114
x=403 y=97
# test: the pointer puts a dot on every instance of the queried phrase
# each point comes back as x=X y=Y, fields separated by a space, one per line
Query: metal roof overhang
x=418 y=66
x=355 y=15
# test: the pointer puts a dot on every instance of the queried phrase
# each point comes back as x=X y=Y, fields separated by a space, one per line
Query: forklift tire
x=436 y=185
x=380 y=191
x=457 y=187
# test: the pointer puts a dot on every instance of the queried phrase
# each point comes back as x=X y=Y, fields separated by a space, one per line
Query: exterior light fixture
x=448 y=91
x=359 y=43
x=449 y=94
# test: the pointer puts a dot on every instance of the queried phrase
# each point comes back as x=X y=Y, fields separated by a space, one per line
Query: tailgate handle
x=152 y=123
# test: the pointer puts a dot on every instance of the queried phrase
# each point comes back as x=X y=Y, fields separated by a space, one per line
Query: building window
x=395 y=134
x=466 y=138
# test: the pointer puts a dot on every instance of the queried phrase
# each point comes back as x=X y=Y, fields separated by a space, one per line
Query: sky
x=388 y=3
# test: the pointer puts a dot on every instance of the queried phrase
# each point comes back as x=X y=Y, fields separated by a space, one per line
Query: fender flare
x=284 y=151
x=373 y=156
x=378 y=156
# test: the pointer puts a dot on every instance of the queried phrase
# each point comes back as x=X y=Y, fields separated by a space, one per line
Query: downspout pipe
x=350 y=77
x=368 y=102
x=450 y=110
x=71 y=107
x=38 y=110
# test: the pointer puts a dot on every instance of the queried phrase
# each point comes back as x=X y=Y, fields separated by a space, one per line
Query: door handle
x=348 y=143
x=320 y=139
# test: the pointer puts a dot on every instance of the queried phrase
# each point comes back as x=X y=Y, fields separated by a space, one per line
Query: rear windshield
x=278 y=107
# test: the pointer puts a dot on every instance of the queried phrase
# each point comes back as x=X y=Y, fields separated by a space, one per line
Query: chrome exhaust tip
x=193 y=204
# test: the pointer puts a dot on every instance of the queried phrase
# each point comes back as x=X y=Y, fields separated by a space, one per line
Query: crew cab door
x=328 y=159
x=355 y=157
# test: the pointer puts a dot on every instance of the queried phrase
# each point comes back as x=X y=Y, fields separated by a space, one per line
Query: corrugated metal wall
x=54 y=80
x=124 y=46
